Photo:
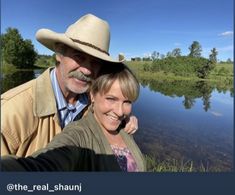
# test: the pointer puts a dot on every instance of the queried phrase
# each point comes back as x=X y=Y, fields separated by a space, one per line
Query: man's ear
x=58 y=57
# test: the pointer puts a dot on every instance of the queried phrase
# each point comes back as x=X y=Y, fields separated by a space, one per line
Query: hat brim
x=48 y=38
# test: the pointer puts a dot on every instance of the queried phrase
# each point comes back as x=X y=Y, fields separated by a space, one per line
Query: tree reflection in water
x=9 y=81
x=190 y=90
x=187 y=120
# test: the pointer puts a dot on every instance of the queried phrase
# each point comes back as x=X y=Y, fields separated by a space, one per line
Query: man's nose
x=86 y=68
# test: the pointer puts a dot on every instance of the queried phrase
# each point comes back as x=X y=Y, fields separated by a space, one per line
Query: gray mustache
x=80 y=76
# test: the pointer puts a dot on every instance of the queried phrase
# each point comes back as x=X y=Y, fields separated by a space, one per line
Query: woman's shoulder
x=76 y=127
x=80 y=128
x=82 y=123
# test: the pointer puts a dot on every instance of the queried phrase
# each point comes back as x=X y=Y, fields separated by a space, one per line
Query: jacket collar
x=44 y=100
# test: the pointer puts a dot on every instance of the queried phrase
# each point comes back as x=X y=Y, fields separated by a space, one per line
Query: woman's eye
x=127 y=102
x=110 y=99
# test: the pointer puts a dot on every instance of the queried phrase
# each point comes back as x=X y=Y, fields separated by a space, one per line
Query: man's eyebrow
x=77 y=52
x=97 y=61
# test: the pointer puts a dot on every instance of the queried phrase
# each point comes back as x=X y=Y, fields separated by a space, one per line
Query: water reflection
x=17 y=78
x=187 y=120
x=189 y=90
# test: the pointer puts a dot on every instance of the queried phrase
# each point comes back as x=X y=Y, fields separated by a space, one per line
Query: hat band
x=89 y=45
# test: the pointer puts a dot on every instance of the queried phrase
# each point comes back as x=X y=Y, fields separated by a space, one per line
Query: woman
x=96 y=142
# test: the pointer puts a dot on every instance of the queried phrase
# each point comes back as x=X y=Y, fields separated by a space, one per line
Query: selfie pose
x=97 y=142
x=34 y=112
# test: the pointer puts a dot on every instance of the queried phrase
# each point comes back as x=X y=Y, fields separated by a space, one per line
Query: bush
x=183 y=65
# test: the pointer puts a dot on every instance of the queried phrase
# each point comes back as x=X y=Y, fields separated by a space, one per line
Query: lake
x=181 y=120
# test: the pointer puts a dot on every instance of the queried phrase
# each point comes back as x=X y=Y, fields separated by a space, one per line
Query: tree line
x=191 y=65
x=21 y=53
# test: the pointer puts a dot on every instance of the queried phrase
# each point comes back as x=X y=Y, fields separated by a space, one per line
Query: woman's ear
x=92 y=97
x=92 y=102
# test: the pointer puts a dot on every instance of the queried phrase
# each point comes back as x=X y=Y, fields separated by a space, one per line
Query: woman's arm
x=67 y=158
x=66 y=152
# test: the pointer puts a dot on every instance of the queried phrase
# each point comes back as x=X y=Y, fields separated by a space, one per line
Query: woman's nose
x=119 y=110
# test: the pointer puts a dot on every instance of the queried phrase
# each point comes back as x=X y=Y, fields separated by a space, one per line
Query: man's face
x=75 y=71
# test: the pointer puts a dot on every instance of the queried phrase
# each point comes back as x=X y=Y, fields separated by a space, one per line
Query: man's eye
x=79 y=57
x=96 y=63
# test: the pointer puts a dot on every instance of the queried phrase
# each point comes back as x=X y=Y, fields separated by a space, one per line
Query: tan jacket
x=28 y=117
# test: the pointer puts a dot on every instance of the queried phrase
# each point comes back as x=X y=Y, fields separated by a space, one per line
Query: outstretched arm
x=66 y=152
x=67 y=158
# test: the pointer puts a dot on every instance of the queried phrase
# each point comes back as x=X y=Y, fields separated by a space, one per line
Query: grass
x=227 y=66
x=174 y=165
x=138 y=68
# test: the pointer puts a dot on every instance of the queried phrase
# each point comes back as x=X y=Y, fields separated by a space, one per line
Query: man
x=33 y=113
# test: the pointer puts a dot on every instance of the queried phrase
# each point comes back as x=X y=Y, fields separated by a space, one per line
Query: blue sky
x=138 y=27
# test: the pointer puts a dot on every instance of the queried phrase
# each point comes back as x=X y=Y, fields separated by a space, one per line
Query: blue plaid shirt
x=67 y=112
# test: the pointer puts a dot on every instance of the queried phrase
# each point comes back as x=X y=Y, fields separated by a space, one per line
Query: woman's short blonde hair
x=109 y=74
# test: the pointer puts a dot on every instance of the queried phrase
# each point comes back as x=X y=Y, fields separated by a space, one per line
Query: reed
x=173 y=165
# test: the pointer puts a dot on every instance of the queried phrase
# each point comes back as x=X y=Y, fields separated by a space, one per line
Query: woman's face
x=111 y=108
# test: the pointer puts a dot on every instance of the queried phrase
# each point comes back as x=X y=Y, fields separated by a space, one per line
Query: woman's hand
x=131 y=124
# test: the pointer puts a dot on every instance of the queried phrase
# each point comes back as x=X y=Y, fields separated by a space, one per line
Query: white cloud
x=226 y=34
x=147 y=54
x=216 y=113
x=177 y=44
x=226 y=48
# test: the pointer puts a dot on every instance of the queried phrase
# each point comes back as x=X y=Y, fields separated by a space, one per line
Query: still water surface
x=187 y=121
x=177 y=120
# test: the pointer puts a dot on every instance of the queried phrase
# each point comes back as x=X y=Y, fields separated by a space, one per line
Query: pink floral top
x=125 y=159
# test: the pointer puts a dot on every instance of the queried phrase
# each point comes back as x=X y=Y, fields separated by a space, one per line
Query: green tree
x=204 y=66
x=29 y=55
x=229 y=61
x=188 y=102
x=155 y=55
x=46 y=60
x=213 y=56
x=176 y=52
x=11 y=45
x=17 y=51
x=168 y=54
x=195 y=49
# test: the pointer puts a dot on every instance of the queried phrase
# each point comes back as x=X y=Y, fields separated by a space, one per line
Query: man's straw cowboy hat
x=89 y=34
